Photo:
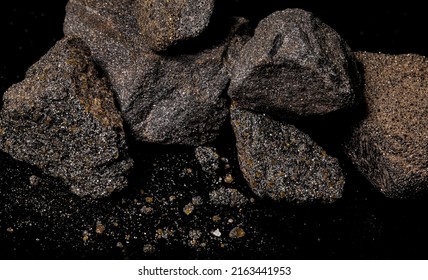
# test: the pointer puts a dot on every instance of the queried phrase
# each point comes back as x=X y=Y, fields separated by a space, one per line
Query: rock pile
x=142 y=65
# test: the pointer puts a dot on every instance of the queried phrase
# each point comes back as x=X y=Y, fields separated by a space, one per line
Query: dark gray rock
x=165 y=23
x=62 y=119
x=164 y=99
x=208 y=158
x=178 y=100
x=283 y=163
x=389 y=143
x=295 y=66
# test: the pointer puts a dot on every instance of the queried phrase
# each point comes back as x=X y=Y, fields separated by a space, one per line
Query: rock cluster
x=168 y=86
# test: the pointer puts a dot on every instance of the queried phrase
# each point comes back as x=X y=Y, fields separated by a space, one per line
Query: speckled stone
x=166 y=23
x=164 y=99
x=62 y=119
x=208 y=158
x=228 y=196
x=283 y=163
x=295 y=66
x=389 y=143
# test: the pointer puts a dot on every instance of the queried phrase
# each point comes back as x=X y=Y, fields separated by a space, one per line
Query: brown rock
x=62 y=119
x=389 y=144
x=165 y=23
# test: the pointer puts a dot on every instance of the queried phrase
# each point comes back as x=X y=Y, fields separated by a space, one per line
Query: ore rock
x=283 y=163
x=295 y=66
x=164 y=99
x=388 y=145
x=208 y=158
x=62 y=119
x=166 y=23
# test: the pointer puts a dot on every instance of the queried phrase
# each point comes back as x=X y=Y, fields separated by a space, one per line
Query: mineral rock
x=164 y=99
x=295 y=66
x=208 y=158
x=62 y=119
x=389 y=143
x=283 y=163
x=165 y=23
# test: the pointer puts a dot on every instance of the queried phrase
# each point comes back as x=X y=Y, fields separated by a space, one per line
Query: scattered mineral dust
x=146 y=210
x=197 y=200
x=149 y=249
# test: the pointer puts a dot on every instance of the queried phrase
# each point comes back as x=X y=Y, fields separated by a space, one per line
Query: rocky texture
x=227 y=196
x=283 y=163
x=166 y=23
x=389 y=144
x=208 y=158
x=62 y=119
x=295 y=66
x=164 y=99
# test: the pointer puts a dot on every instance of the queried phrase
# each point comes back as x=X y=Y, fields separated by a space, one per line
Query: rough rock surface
x=228 y=196
x=164 y=99
x=208 y=158
x=294 y=66
x=165 y=23
x=283 y=163
x=389 y=144
x=62 y=119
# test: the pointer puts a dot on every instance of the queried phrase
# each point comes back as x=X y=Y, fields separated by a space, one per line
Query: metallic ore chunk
x=283 y=163
x=62 y=119
x=295 y=66
x=389 y=143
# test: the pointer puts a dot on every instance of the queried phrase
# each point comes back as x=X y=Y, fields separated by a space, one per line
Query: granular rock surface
x=295 y=66
x=62 y=119
x=283 y=163
x=164 y=99
x=208 y=158
x=389 y=144
x=166 y=23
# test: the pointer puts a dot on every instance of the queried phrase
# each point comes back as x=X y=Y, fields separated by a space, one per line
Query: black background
x=381 y=228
